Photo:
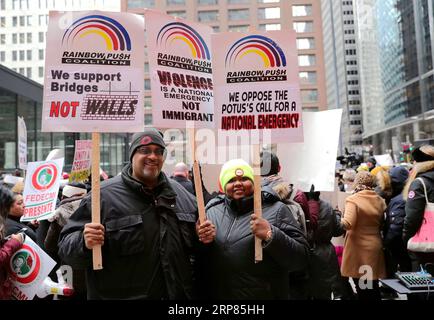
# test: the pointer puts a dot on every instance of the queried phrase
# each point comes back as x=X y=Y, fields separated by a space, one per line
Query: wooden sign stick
x=96 y=217
x=257 y=197
x=197 y=177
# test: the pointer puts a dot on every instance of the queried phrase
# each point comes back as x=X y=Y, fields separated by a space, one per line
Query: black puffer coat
x=324 y=267
x=148 y=240
x=415 y=205
x=229 y=260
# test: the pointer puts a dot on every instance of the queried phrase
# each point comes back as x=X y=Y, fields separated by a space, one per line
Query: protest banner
x=256 y=84
x=313 y=162
x=384 y=160
x=181 y=71
x=181 y=79
x=28 y=268
x=81 y=165
x=22 y=144
x=94 y=82
x=257 y=93
x=41 y=188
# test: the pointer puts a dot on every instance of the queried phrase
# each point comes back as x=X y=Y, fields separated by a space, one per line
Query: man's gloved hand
x=312 y=194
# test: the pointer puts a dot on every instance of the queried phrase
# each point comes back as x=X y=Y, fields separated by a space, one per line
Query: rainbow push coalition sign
x=256 y=86
x=181 y=68
x=94 y=79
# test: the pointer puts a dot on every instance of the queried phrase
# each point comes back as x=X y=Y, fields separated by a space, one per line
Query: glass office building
x=404 y=39
x=20 y=96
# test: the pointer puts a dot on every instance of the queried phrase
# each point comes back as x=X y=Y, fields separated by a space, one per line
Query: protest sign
x=82 y=161
x=313 y=162
x=94 y=79
x=22 y=144
x=384 y=160
x=181 y=71
x=256 y=84
x=41 y=189
x=28 y=268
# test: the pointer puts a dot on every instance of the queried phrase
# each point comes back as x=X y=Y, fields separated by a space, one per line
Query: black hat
x=149 y=136
x=423 y=153
x=269 y=164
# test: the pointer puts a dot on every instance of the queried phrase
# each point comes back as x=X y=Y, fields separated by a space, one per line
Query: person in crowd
x=72 y=194
x=324 y=268
x=7 y=246
x=415 y=196
x=147 y=230
x=180 y=175
x=371 y=163
x=229 y=264
x=363 y=258
x=270 y=169
x=348 y=176
x=13 y=223
x=397 y=258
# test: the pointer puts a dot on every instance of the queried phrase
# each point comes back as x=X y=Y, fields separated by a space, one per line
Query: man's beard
x=150 y=174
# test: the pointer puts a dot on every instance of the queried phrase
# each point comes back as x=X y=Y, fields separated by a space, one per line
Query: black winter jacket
x=324 y=267
x=229 y=260
x=415 y=205
x=148 y=240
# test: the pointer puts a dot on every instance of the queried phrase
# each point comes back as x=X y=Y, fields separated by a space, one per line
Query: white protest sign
x=181 y=71
x=55 y=154
x=82 y=161
x=22 y=144
x=313 y=162
x=41 y=189
x=94 y=78
x=256 y=84
x=28 y=268
x=384 y=160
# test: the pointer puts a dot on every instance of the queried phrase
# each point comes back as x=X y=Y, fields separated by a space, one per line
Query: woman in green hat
x=228 y=261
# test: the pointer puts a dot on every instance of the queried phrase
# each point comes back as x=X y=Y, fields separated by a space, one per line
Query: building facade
x=342 y=71
x=23 y=25
x=399 y=68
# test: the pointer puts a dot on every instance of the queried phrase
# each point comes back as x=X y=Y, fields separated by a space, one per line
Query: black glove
x=312 y=194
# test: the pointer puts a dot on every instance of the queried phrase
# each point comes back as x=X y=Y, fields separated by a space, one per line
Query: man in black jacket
x=146 y=231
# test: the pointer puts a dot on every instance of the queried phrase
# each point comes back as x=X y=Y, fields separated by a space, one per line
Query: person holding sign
x=229 y=267
x=7 y=246
x=147 y=230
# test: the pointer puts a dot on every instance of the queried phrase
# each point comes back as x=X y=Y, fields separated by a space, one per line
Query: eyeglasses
x=159 y=152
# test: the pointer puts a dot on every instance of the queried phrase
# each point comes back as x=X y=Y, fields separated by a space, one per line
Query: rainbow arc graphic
x=267 y=49
x=111 y=31
x=178 y=31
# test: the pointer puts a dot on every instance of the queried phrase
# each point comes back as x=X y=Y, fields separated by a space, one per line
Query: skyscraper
x=396 y=37
x=342 y=72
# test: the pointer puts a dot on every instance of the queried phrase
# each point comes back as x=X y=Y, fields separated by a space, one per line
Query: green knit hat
x=234 y=168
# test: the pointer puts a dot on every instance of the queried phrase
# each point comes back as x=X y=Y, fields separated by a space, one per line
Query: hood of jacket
x=423 y=169
x=398 y=177
x=279 y=186
x=65 y=209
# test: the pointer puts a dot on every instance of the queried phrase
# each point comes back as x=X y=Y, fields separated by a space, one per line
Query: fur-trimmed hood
x=418 y=169
x=279 y=186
